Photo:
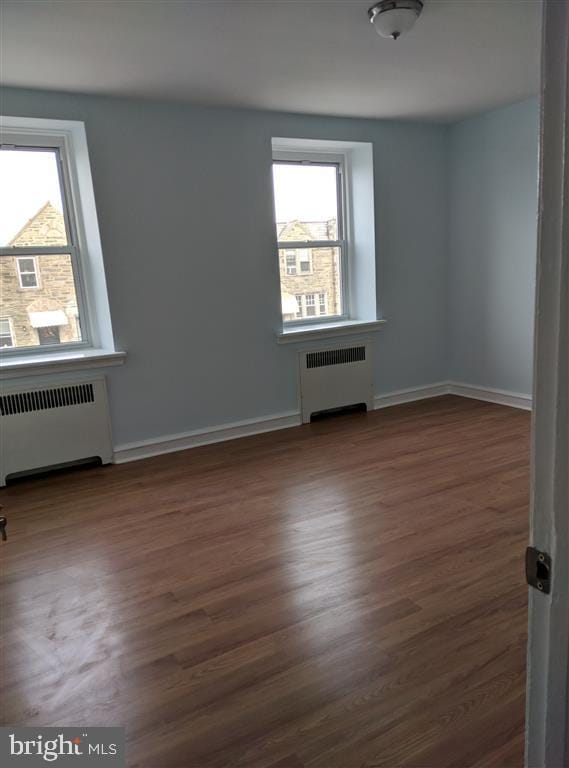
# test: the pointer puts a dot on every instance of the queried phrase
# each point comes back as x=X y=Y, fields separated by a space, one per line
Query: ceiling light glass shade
x=393 y=18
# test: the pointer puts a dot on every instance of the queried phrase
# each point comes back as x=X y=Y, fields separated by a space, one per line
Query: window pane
x=304 y=260
x=26 y=265
x=306 y=202
x=5 y=333
x=28 y=280
x=31 y=205
x=47 y=315
x=49 y=334
x=320 y=288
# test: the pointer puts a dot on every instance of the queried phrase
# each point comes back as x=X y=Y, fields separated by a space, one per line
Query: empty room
x=283 y=352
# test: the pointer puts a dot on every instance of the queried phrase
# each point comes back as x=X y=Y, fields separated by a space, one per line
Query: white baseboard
x=171 y=443
x=410 y=395
x=179 y=442
x=491 y=395
x=487 y=394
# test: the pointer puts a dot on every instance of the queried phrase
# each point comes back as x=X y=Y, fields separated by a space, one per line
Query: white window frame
x=57 y=144
x=68 y=138
x=300 y=272
x=11 y=327
x=36 y=273
x=339 y=161
x=286 y=264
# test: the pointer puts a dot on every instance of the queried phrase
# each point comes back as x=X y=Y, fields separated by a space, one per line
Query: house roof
x=307 y=230
x=46 y=227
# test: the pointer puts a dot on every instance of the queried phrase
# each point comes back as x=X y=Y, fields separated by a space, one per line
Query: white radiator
x=334 y=378
x=52 y=425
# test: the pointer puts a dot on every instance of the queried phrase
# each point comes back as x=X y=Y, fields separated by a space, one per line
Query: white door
x=547 y=727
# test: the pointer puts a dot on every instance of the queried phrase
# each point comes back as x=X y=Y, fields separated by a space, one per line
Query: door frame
x=547 y=721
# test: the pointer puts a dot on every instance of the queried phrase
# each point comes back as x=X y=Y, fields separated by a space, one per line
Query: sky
x=305 y=192
x=28 y=179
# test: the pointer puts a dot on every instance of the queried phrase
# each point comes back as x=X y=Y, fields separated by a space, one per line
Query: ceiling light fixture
x=393 y=18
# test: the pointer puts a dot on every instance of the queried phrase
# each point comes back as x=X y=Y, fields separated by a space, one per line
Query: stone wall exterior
x=324 y=274
x=55 y=290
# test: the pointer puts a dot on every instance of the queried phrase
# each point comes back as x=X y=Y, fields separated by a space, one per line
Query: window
x=290 y=257
x=309 y=206
x=310 y=305
x=298 y=262
x=6 y=335
x=51 y=263
x=305 y=261
x=36 y=223
x=49 y=334
x=28 y=272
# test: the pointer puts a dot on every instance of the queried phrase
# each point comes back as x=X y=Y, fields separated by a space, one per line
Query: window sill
x=327 y=331
x=37 y=365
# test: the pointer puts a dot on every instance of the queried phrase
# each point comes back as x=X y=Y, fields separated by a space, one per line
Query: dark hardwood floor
x=346 y=593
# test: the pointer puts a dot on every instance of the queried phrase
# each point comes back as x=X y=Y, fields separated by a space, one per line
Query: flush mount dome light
x=393 y=18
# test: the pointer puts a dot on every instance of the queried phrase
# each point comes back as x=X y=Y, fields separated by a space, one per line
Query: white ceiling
x=317 y=56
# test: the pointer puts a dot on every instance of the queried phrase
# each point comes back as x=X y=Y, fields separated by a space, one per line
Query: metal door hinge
x=538 y=569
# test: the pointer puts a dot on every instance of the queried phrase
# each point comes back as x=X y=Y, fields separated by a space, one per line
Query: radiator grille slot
x=335 y=357
x=44 y=399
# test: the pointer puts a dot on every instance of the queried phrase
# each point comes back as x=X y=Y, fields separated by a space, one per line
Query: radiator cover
x=46 y=426
x=335 y=377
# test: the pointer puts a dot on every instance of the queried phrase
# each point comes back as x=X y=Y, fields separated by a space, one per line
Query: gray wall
x=184 y=201
x=492 y=247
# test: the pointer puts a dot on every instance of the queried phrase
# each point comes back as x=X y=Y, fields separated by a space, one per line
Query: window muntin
x=6 y=333
x=309 y=208
x=40 y=278
x=27 y=272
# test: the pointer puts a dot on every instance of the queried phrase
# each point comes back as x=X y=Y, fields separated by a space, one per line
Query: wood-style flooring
x=342 y=594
